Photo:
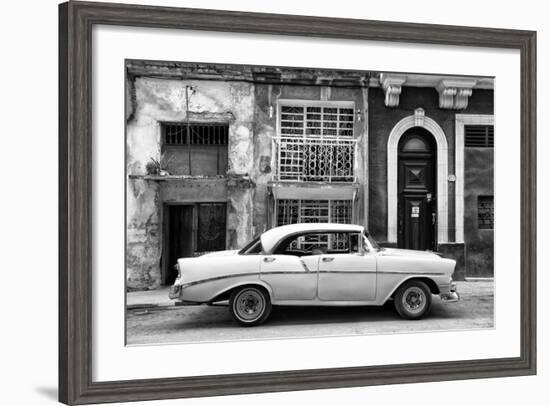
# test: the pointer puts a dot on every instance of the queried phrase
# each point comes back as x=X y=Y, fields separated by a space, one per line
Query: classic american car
x=314 y=264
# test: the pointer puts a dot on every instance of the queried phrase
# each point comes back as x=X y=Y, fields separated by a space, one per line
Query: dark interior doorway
x=191 y=229
x=179 y=241
x=417 y=212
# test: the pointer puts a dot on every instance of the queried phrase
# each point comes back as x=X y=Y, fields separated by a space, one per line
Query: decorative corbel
x=392 y=88
x=454 y=93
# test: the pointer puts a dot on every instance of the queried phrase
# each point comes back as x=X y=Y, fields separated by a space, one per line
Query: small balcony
x=315 y=158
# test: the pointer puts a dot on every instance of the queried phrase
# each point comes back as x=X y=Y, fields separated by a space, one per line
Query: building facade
x=216 y=154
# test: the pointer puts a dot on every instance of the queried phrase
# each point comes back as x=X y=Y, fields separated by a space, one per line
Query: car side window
x=319 y=243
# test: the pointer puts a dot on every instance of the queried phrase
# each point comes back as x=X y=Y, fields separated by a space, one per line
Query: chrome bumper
x=450 y=296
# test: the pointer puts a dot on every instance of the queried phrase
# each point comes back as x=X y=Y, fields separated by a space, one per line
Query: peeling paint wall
x=163 y=100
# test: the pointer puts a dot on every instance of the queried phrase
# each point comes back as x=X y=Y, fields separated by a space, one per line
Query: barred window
x=291 y=211
x=485 y=212
x=479 y=136
x=195 y=148
x=316 y=143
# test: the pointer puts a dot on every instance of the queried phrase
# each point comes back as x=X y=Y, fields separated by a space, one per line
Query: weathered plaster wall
x=478 y=181
x=143 y=234
x=161 y=100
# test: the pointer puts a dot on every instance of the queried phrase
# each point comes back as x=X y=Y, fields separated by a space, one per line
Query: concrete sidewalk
x=149 y=298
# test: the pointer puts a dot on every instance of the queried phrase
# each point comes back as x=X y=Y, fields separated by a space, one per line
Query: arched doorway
x=417 y=190
x=418 y=119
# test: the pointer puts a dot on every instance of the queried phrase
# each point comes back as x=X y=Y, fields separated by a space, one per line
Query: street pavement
x=153 y=319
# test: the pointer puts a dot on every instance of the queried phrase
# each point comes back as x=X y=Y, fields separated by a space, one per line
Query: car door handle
x=269 y=259
x=328 y=259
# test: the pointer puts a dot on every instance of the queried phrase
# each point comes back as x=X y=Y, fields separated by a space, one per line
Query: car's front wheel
x=413 y=300
x=250 y=305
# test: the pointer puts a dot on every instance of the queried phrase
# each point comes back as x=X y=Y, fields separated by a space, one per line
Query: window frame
x=312 y=103
x=222 y=167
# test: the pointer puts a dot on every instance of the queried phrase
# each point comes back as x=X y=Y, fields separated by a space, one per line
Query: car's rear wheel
x=250 y=305
x=413 y=300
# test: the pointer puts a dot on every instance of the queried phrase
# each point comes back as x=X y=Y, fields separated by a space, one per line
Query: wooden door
x=416 y=187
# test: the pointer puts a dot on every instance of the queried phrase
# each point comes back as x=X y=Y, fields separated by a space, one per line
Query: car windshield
x=253 y=247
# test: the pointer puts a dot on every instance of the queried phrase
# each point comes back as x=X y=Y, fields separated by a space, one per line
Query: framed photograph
x=260 y=202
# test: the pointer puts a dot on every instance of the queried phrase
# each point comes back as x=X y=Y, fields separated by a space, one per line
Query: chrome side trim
x=412 y=273
x=216 y=278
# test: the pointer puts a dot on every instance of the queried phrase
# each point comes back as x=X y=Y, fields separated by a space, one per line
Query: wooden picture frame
x=76 y=20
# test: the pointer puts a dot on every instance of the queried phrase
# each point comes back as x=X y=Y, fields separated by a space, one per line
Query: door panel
x=290 y=277
x=418 y=216
x=347 y=277
x=211 y=227
x=416 y=188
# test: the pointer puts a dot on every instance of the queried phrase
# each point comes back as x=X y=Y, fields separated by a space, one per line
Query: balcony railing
x=315 y=158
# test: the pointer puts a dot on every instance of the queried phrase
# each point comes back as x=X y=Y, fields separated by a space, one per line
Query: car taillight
x=177 y=268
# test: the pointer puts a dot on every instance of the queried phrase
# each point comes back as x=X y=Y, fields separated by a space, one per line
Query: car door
x=349 y=276
x=290 y=277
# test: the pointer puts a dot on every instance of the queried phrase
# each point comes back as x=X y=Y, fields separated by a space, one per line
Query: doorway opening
x=190 y=230
x=417 y=206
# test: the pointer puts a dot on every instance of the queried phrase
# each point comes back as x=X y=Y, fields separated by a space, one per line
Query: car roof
x=271 y=237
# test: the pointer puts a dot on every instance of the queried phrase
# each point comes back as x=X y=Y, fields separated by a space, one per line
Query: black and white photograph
x=262 y=203
x=267 y=202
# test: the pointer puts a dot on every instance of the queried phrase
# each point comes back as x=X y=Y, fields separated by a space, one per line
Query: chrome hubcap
x=249 y=305
x=414 y=299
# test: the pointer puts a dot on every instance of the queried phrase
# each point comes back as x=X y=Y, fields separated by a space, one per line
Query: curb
x=138 y=306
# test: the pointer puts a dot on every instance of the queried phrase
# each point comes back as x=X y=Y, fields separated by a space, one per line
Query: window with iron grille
x=479 y=136
x=195 y=149
x=316 y=143
x=485 y=212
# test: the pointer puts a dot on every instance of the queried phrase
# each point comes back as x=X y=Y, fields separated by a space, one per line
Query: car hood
x=220 y=253
x=398 y=252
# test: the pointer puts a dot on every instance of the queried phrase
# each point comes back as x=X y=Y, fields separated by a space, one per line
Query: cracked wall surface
x=161 y=100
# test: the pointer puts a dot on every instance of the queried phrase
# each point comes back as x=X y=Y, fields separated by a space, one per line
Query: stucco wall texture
x=478 y=181
x=161 y=100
